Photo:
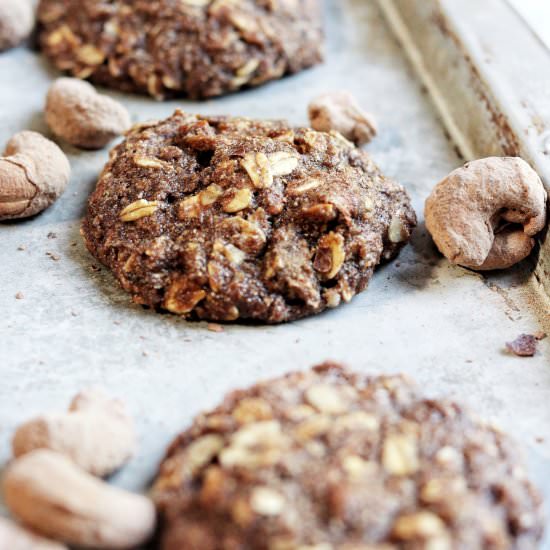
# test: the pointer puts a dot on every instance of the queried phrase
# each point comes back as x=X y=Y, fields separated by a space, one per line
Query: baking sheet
x=441 y=324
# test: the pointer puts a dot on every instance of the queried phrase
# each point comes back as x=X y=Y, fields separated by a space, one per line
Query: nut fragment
x=33 y=174
x=330 y=255
x=339 y=111
x=89 y=55
x=16 y=22
x=182 y=298
x=525 y=345
x=138 y=209
x=77 y=113
x=484 y=215
x=258 y=168
x=266 y=501
x=49 y=493
x=148 y=162
x=240 y=201
x=202 y=451
x=15 y=537
x=190 y=207
x=423 y=525
x=196 y=3
x=210 y=195
x=254 y=445
x=304 y=187
x=282 y=163
x=96 y=433
x=400 y=455
x=326 y=398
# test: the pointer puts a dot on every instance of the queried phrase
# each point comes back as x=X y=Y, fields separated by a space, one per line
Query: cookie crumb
x=19 y=296
x=21 y=247
x=54 y=257
x=540 y=335
x=525 y=345
x=214 y=327
x=52 y=235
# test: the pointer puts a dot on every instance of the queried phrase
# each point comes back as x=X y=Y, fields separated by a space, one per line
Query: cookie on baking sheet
x=331 y=460
x=231 y=218
x=198 y=48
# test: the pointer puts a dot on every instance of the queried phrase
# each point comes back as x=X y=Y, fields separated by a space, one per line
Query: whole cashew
x=49 y=493
x=484 y=215
x=33 y=174
x=83 y=117
x=96 y=433
x=16 y=22
x=15 y=537
x=340 y=111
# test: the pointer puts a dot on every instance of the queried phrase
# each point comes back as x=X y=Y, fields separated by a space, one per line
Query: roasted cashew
x=485 y=214
x=33 y=174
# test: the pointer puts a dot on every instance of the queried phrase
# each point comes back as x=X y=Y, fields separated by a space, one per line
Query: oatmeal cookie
x=331 y=460
x=230 y=218
x=198 y=48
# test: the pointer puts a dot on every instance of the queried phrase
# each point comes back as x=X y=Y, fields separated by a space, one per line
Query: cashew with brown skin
x=15 y=537
x=96 y=433
x=16 y=22
x=485 y=214
x=33 y=174
x=49 y=493
x=340 y=111
x=76 y=112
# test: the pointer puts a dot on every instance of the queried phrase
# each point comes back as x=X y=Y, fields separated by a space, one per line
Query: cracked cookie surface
x=198 y=48
x=230 y=218
x=332 y=460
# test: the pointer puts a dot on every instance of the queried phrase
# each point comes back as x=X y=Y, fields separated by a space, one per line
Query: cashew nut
x=96 y=433
x=83 y=117
x=49 y=493
x=33 y=174
x=340 y=111
x=484 y=215
x=16 y=22
x=15 y=537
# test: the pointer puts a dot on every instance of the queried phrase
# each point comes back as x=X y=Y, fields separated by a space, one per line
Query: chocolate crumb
x=525 y=345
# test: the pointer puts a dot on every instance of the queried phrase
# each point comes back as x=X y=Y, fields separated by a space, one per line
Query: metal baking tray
x=443 y=325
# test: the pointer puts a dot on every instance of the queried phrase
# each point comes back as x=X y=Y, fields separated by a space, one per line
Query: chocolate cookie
x=330 y=460
x=231 y=218
x=199 y=48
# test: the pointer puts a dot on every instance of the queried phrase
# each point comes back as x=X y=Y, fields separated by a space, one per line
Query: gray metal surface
x=441 y=324
x=471 y=56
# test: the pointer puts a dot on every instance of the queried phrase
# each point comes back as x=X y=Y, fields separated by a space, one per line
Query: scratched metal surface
x=441 y=324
